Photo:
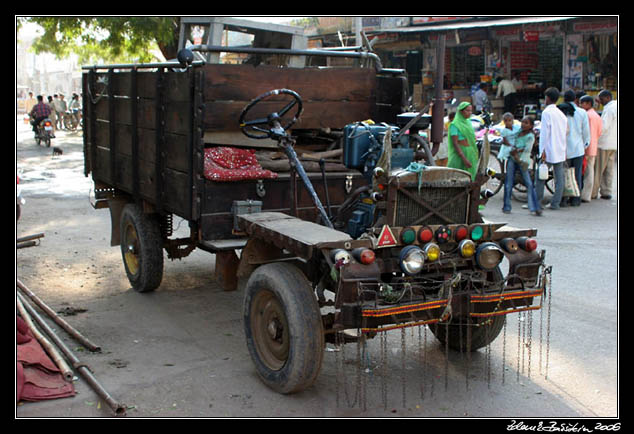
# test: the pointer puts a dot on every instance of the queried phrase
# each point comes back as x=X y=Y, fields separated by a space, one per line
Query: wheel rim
x=131 y=248
x=270 y=330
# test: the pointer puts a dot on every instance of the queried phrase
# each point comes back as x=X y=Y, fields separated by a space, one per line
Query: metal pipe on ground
x=60 y=321
x=84 y=370
x=29 y=238
x=59 y=361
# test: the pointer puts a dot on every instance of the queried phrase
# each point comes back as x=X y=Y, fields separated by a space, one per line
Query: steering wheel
x=274 y=120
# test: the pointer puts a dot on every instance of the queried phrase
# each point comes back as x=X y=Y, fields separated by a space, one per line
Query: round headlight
x=489 y=255
x=467 y=248
x=411 y=260
x=432 y=252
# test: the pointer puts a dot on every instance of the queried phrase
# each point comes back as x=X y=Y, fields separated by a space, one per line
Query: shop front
x=579 y=53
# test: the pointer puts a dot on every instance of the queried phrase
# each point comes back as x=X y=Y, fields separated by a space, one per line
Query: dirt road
x=180 y=351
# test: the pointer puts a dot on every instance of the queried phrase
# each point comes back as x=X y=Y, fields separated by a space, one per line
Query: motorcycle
x=44 y=132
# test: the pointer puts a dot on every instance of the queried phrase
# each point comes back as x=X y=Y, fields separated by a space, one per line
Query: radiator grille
x=409 y=212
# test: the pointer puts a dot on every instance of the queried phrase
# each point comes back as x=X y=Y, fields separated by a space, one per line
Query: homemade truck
x=319 y=179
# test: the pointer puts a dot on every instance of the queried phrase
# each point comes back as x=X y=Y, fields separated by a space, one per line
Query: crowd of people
x=572 y=135
x=55 y=108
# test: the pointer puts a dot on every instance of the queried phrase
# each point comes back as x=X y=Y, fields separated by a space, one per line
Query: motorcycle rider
x=39 y=112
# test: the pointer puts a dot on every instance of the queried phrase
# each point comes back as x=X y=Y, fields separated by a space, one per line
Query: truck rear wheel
x=283 y=327
x=141 y=248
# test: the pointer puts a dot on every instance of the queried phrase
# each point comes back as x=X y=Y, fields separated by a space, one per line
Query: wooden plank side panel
x=244 y=83
x=176 y=85
x=224 y=115
x=176 y=153
x=332 y=98
x=176 y=183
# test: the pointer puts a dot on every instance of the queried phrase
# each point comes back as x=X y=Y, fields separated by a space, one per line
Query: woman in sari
x=462 y=148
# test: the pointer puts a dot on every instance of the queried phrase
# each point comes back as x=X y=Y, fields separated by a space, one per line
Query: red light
x=425 y=235
x=363 y=255
x=367 y=257
x=531 y=245
x=528 y=244
x=461 y=233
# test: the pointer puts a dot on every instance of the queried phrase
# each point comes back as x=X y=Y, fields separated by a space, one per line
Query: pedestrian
x=481 y=100
x=596 y=126
x=60 y=108
x=552 y=146
x=508 y=132
x=606 y=147
x=506 y=89
x=519 y=142
x=462 y=149
x=577 y=139
x=30 y=102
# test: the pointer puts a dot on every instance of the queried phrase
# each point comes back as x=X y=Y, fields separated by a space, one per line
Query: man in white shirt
x=552 y=146
x=606 y=147
x=578 y=139
x=507 y=90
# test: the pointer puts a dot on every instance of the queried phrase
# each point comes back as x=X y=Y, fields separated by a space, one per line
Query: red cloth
x=37 y=376
x=233 y=164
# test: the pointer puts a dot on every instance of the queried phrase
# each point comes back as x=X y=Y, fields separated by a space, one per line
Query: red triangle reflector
x=386 y=238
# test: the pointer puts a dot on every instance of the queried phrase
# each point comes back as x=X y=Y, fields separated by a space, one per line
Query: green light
x=408 y=236
x=476 y=233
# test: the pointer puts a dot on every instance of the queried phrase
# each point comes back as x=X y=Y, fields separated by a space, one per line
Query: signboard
x=425 y=20
x=530 y=36
x=573 y=66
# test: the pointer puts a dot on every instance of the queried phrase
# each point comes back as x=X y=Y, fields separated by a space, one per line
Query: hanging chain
x=503 y=350
x=403 y=380
x=550 y=297
x=529 y=343
x=383 y=342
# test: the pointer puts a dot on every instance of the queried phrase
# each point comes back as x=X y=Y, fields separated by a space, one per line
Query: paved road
x=180 y=351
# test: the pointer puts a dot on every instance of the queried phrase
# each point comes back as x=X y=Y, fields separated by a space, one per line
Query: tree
x=110 y=39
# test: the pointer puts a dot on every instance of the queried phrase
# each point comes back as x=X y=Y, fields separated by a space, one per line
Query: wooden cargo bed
x=145 y=131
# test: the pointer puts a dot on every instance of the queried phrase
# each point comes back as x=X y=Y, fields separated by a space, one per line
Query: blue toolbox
x=363 y=145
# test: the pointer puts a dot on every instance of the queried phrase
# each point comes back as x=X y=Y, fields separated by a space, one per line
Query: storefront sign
x=475 y=51
x=530 y=36
x=594 y=26
x=423 y=20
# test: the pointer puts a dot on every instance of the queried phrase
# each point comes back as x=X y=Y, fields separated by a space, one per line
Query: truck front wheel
x=283 y=327
x=141 y=248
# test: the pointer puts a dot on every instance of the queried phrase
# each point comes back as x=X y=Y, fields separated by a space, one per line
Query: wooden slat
x=296 y=235
x=243 y=83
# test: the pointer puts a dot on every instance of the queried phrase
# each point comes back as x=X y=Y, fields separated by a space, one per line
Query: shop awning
x=471 y=24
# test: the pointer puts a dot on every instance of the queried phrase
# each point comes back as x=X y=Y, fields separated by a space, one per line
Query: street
x=180 y=351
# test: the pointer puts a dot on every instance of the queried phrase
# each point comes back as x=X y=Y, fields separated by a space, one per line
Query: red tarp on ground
x=233 y=164
x=37 y=376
